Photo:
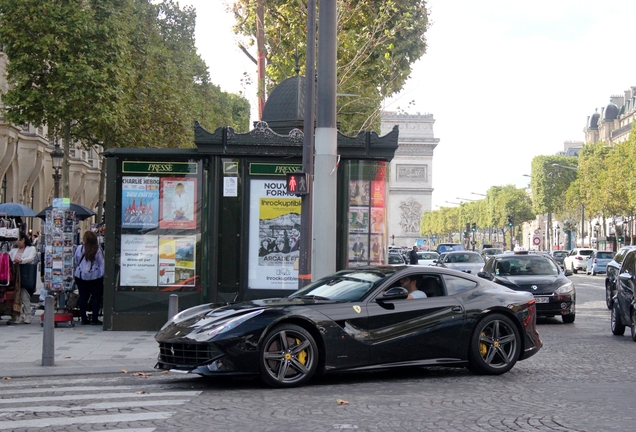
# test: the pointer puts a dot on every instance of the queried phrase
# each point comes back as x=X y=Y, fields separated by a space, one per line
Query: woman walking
x=22 y=253
x=89 y=277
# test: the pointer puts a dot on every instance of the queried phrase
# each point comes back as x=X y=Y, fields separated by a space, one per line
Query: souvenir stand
x=7 y=291
x=59 y=229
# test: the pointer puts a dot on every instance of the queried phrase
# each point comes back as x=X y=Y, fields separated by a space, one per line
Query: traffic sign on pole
x=536 y=241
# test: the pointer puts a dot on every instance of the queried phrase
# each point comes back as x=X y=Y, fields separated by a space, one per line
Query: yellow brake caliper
x=302 y=356
x=483 y=349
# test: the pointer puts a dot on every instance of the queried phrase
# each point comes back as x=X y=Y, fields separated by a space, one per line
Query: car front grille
x=187 y=354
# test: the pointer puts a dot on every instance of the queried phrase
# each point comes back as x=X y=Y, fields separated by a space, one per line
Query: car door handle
x=456 y=309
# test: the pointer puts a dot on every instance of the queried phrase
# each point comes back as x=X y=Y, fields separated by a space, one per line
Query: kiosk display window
x=160 y=226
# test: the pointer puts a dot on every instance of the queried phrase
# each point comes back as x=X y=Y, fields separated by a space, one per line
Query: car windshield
x=463 y=258
x=559 y=254
x=605 y=255
x=395 y=259
x=586 y=252
x=449 y=247
x=427 y=255
x=492 y=251
x=349 y=285
x=526 y=266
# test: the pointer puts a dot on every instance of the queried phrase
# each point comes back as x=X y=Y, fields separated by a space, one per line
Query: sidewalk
x=82 y=349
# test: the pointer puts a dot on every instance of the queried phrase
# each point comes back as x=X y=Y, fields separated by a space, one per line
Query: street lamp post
x=558 y=235
x=528 y=241
x=57 y=157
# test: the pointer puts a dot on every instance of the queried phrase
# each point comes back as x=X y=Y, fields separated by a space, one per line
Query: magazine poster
x=377 y=193
x=274 y=236
x=358 y=219
x=358 y=192
x=377 y=220
x=358 y=250
x=376 y=248
x=140 y=202
x=178 y=198
x=176 y=260
x=139 y=260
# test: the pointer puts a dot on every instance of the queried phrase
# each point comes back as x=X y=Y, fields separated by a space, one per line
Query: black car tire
x=593 y=272
x=633 y=326
x=609 y=301
x=288 y=356
x=568 y=319
x=495 y=345
x=618 y=328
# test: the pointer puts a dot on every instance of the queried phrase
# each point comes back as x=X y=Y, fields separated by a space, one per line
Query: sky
x=505 y=81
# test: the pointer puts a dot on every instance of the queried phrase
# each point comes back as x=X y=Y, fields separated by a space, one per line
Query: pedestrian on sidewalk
x=23 y=252
x=89 y=277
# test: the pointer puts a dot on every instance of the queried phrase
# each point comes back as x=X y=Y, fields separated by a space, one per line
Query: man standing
x=413 y=258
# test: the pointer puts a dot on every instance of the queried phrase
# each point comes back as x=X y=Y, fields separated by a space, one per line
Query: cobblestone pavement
x=582 y=380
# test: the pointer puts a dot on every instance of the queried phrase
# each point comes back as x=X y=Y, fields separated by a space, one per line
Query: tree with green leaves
x=378 y=42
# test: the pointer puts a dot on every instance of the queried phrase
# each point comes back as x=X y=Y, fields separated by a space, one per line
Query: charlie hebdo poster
x=274 y=236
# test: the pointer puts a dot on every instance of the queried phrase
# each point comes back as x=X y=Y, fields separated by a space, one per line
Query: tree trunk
x=260 y=46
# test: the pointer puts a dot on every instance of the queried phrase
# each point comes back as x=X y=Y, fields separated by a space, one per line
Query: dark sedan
x=623 y=310
x=537 y=274
x=357 y=319
x=612 y=272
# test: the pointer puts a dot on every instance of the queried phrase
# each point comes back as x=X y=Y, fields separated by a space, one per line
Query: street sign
x=536 y=241
x=536 y=231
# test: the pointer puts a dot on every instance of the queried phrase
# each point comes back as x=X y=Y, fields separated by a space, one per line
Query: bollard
x=48 y=341
x=173 y=306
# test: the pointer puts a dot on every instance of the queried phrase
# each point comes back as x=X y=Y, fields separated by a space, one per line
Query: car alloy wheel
x=495 y=345
x=288 y=356
x=618 y=328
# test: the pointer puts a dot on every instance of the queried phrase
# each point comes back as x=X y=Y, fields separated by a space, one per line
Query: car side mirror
x=483 y=275
x=395 y=293
x=568 y=272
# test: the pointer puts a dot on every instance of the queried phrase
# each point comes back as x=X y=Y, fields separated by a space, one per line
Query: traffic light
x=297 y=183
x=620 y=239
x=474 y=227
x=510 y=221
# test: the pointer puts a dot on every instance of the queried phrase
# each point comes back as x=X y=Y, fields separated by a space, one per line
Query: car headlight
x=565 y=289
x=187 y=314
x=223 y=326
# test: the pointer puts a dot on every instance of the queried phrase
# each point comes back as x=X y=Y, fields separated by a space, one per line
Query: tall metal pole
x=304 y=265
x=324 y=227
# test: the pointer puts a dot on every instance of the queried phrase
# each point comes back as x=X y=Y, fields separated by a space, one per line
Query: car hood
x=533 y=284
x=196 y=323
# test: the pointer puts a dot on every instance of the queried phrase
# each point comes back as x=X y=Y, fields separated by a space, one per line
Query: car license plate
x=542 y=299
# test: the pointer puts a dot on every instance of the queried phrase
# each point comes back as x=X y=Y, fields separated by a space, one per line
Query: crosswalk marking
x=97 y=406
x=76 y=397
x=46 y=406
x=65 y=421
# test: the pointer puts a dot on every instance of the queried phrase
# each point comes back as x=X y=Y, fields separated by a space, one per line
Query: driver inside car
x=412 y=285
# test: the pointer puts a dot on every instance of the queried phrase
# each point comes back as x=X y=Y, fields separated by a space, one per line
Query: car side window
x=456 y=285
x=628 y=264
x=619 y=256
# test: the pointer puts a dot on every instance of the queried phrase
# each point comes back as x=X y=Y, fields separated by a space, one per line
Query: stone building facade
x=411 y=171
x=26 y=170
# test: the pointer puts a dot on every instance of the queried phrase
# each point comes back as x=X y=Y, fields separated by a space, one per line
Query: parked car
x=597 y=263
x=577 y=259
x=464 y=261
x=427 y=257
x=612 y=272
x=397 y=259
x=487 y=252
x=538 y=274
x=356 y=319
x=559 y=255
x=448 y=247
x=623 y=310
